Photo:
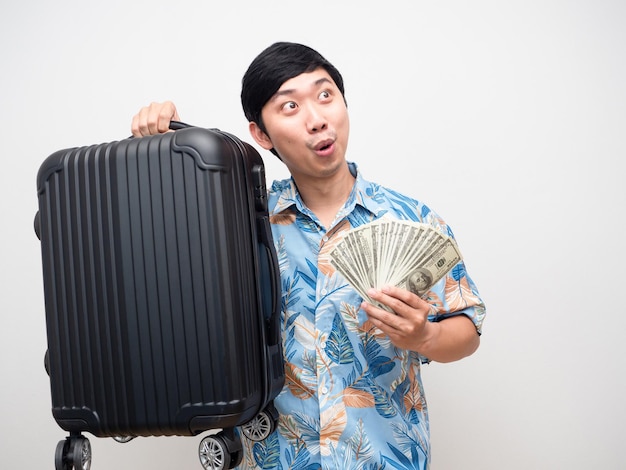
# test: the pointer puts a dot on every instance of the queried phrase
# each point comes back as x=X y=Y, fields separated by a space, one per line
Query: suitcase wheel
x=73 y=453
x=262 y=425
x=214 y=453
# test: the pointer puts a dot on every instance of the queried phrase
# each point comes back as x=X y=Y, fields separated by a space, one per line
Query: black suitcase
x=162 y=292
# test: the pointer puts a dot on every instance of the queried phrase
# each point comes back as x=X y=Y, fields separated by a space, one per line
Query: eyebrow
x=291 y=91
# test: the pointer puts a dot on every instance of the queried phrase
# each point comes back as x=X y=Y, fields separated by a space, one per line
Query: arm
x=154 y=119
x=448 y=340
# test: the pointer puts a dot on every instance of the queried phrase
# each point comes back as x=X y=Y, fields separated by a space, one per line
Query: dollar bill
x=411 y=255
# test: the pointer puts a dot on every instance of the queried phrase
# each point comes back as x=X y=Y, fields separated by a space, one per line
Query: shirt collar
x=289 y=196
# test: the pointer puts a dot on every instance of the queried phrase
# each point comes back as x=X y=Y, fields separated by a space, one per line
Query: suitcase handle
x=174 y=126
x=178 y=125
x=273 y=316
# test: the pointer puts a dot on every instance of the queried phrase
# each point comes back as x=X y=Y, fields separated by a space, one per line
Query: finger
x=162 y=114
x=387 y=321
x=405 y=296
x=154 y=119
x=139 y=123
x=153 y=116
x=399 y=307
x=134 y=126
x=142 y=121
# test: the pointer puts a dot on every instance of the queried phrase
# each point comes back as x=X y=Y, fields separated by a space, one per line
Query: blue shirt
x=351 y=398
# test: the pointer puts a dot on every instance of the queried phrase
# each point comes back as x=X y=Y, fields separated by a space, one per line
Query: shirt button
x=324 y=291
x=324 y=390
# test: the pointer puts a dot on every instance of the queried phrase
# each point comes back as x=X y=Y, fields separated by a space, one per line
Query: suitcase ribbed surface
x=150 y=285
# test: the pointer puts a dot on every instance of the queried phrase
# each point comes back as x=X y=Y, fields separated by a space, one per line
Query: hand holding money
x=410 y=255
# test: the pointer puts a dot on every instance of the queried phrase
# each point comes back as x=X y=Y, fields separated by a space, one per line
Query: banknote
x=411 y=255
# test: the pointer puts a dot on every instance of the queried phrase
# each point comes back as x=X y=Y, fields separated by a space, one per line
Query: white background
x=506 y=117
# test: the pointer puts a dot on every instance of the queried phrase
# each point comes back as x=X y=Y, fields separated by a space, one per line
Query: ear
x=259 y=136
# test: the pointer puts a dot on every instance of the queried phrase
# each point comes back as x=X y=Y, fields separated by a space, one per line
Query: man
x=353 y=396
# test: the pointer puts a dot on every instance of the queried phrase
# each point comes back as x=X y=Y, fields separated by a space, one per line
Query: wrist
x=428 y=338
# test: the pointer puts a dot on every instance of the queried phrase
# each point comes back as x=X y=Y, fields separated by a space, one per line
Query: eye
x=289 y=106
x=324 y=96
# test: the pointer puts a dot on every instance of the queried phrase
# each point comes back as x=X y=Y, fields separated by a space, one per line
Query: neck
x=324 y=197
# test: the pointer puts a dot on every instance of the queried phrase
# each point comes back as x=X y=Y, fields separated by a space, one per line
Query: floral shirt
x=351 y=400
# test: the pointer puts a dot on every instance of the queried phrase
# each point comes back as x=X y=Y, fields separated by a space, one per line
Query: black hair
x=278 y=63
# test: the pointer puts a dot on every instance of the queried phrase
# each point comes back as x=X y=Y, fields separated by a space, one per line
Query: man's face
x=307 y=124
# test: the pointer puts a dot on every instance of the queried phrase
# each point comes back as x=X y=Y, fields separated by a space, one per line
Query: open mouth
x=325 y=145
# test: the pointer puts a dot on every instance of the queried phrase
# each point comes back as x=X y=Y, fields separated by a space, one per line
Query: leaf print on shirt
x=297 y=454
x=281 y=253
x=367 y=330
x=360 y=444
x=288 y=427
x=301 y=428
x=459 y=295
x=267 y=453
x=310 y=281
x=297 y=382
x=327 y=245
x=458 y=272
x=357 y=454
x=298 y=457
x=299 y=341
x=333 y=421
x=350 y=314
x=305 y=333
x=373 y=192
x=436 y=304
x=358 y=398
x=411 y=441
x=412 y=396
x=287 y=217
x=382 y=403
x=378 y=364
x=290 y=295
x=402 y=462
x=408 y=208
x=305 y=224
x=341 y=458
x=374 y=333
x=360 y=217
x=338 y=346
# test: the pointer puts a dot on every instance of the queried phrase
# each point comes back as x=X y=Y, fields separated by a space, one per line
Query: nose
x=316 y=120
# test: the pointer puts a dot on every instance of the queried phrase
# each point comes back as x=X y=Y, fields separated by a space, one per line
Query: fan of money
x=411 y=255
